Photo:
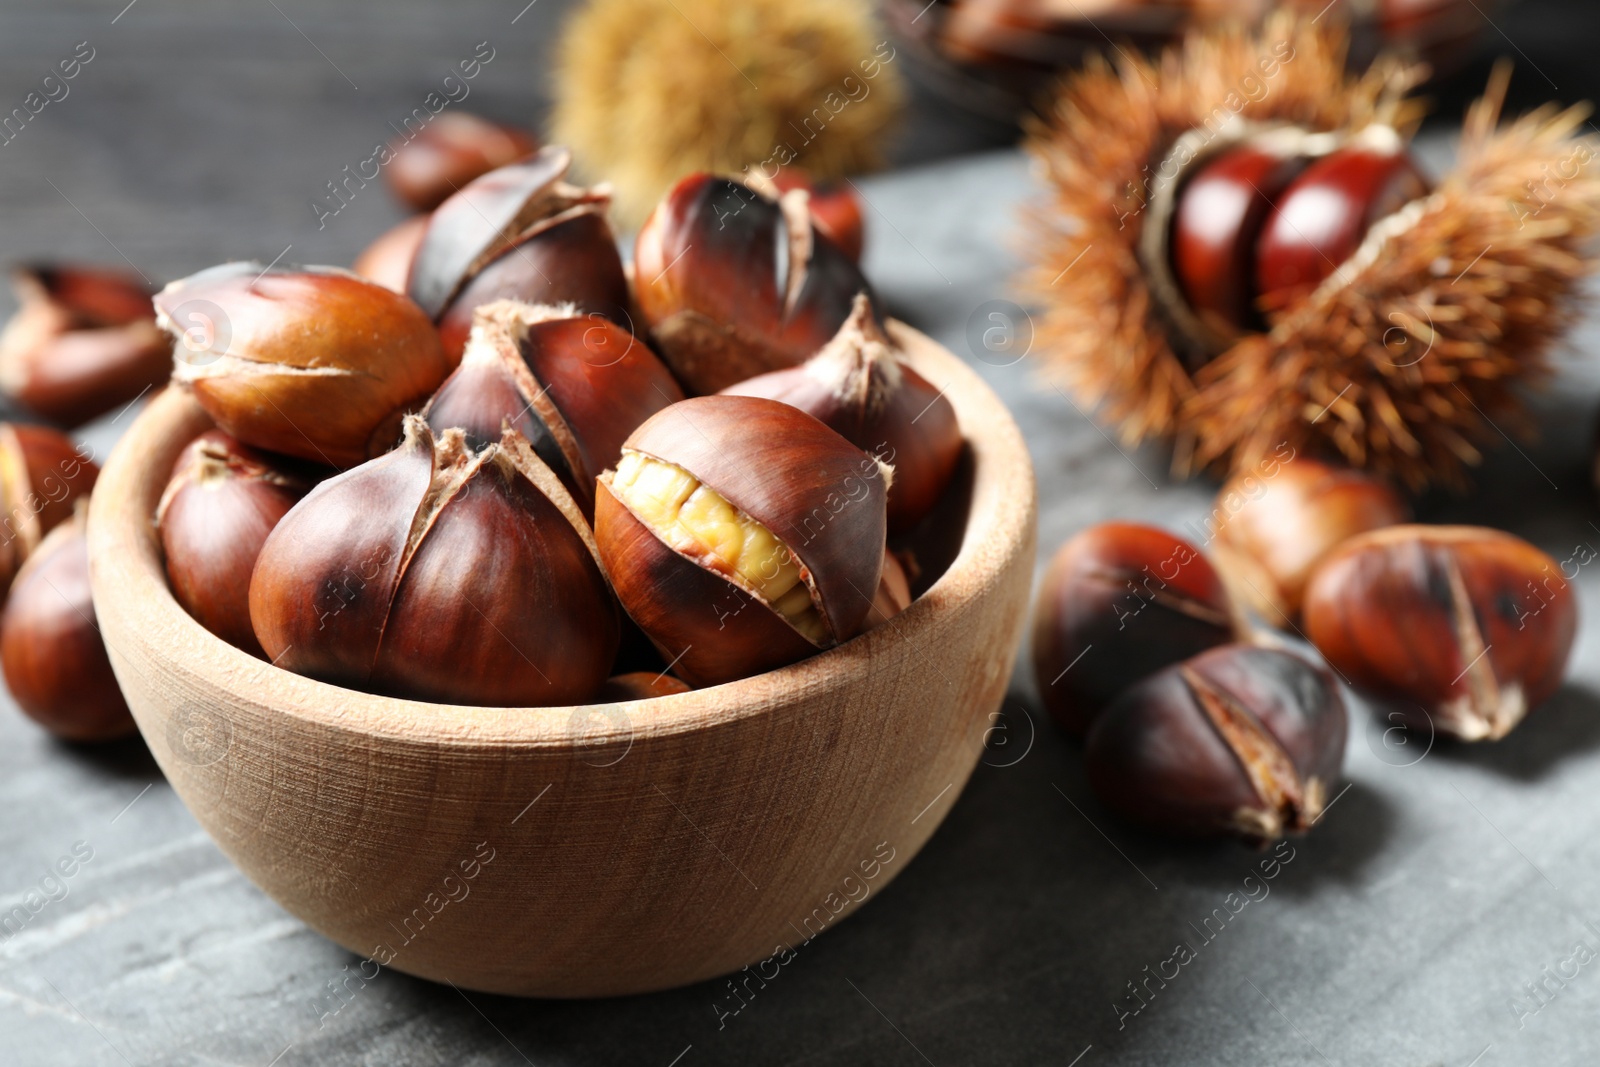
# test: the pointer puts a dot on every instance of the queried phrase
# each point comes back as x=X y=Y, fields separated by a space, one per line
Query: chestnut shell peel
x=1239 y=740
x=440 y=573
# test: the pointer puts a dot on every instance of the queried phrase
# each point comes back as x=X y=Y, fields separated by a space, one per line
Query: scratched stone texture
x=1396 y=934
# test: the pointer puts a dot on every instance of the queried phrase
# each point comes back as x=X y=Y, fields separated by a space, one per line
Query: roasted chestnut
x=223 y=500
x=456 y=147
x=441 y=573
x=1119 y=602
x=387 y=260
x=1323 y=216
x=83 y=342
x=55 y=662
x=1239 y=739
x=1216 y=222
x=638 y=685
x=741 y=535
x=1271 y=531
x=733 y=284
x=1463 y=628
x=857 y=386
x=313 y=362
x=42 y=475
x=520 y=233
x=574 y=385
x=833 y=206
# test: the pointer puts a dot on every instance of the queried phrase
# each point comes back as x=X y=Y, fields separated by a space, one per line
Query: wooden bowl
x=577 y=852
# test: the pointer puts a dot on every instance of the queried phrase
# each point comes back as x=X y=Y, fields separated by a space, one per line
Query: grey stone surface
x=1437 y=887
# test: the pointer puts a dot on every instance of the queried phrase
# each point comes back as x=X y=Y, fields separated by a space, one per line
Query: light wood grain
x=634 y=846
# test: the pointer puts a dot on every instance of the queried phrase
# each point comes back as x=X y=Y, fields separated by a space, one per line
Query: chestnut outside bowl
x=578 y=852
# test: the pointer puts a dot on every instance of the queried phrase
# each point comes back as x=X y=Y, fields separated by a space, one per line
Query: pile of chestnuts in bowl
x=576 y=560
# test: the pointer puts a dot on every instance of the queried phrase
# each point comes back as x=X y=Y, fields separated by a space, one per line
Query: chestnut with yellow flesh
x=741 y=535
x=695 y=521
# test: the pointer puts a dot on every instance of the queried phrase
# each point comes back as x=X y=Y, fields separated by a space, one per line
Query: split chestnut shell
x=741 y=535
x=439 y=573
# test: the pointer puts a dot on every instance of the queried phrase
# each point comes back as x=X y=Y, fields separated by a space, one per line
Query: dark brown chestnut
x=834 y=208
x=520 y=233
x=456 y=147
x=387 y=260
x=1240 y=739
x=83 y=342
x=1119 y=602
x=741 y=535
x=42 y=476
x=733 y=284
x=55 y=662
x=214 y=516
x=312 y=362
x=574 y=385
x=1216 y=222
x=440 y=573
x=1463 y=628
x=1272 y=529
x=858 y=386
x=1323 y=216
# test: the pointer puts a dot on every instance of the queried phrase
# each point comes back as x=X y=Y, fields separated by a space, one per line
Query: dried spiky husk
x=650 y=90
x=1400 y=362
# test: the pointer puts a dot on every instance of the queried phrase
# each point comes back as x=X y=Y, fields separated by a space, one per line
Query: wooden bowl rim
x=126 y=563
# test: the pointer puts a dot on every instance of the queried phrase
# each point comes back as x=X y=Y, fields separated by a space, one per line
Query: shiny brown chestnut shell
x=42 y=476
x=833 y=206
x=439 y=573
x=857 y=386
x=574 y=385
x=1464 y=629
x=55 y=662
x=456 y=147
x=816 y=493
x=312 y=362
x=1273 y=527
x=387 y=260
x=638 y=685
x=1239 y=739
x=215 y=514
x=1119 y=602
x=82 y=343
x=518 y=233
x=733 y=284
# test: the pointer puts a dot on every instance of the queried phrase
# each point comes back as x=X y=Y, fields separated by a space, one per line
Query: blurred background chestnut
x=434 y=162
x=1119 y=602
x=55 y=663
x=1239 y=739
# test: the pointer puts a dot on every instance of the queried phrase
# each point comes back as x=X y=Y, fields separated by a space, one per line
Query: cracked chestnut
x=1238 y=740
x=456 y=147
x=741 y=535
x=223 y=500
x=83 y=342
x=733 y=284
x=312 y=362
x=55 y=663
x=443 y=573
x=1119 y=602
x=1463 y=629
x=521 y=233
x=833 y=206
x=858 y=386
x=574 y=385
x=42 y=476
x=1272 y=530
